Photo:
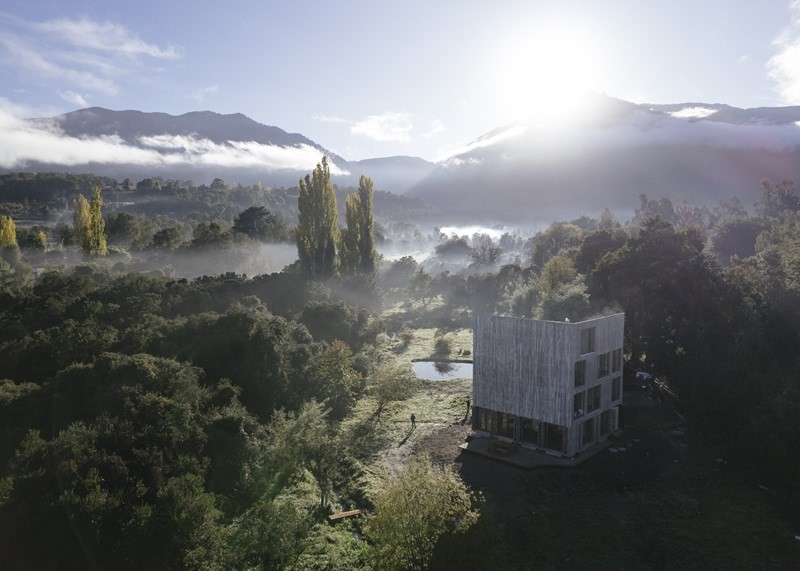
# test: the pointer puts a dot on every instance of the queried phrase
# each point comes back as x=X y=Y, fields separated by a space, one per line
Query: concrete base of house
x=530 y=458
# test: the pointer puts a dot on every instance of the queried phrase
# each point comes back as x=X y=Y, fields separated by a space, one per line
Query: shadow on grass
x=406 y=437
x=368 y=438
x=402 y=347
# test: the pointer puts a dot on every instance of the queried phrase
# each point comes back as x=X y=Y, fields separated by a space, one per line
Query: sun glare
x=544 y=76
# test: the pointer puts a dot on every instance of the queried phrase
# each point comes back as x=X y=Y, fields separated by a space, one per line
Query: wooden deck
x=526 y=457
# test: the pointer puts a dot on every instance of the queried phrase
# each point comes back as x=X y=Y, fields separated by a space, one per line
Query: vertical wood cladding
x=526 y=367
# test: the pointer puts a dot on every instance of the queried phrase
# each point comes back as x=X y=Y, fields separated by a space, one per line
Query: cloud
x=23 y=142
x=34 y=63
x=330 y=119
x=388 y=127
x=72 y=97
x=784 y=67
x=437 y=126
x=646 y=129
x=693 y=112
x=23 y=110
x=745 y=59
x=183 y=149
x=104 y=37
x=88 y=55
x=200 y=94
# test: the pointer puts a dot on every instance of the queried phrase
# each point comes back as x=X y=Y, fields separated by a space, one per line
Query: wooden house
x=551 y=385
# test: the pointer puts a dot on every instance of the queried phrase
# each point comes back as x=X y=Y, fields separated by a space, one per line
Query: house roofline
x=553 y=321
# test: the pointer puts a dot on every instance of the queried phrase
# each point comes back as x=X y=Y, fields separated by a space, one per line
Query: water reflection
x=441 y=370
x=443 y=367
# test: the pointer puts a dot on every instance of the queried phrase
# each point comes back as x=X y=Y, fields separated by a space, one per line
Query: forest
x=162 y=408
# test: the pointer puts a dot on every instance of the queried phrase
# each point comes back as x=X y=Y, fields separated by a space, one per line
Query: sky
x=374 y=79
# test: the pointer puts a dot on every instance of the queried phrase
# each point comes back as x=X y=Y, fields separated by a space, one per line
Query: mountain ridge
x=178 y=145
x=610 y=157
x=695 y=152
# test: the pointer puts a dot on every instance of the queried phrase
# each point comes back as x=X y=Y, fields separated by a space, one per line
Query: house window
x=483 y=419
x=554 y=437
x=587 y=432
x=506 y=424
x=530 y=430
x=616 y=360
x=602 y=365
x=615 y=388
x=587 y=340
x=594 y=395
x=580 y=373
x=578 y=404
x=606 y=422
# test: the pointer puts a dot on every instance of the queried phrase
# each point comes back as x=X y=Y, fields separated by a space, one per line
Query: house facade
x=551 y=385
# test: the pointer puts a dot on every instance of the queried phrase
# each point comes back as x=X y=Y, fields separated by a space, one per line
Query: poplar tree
x=99 y=247
x=317 y=231
x=8 y=232
x=358 y=239
x=348 y=248
x=366 y=242
x=89 y=224
x=81 y=218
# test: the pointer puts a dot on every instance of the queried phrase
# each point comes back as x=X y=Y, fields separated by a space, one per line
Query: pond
x=441 y=370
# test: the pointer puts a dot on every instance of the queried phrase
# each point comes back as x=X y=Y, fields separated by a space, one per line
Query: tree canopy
x=416 y=508
x=259 y=223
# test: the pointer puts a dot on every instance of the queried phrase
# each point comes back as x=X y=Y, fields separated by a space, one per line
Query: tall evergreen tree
x=317 y=231
x=358 y=239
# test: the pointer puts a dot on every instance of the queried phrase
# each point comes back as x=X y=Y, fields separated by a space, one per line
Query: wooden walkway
x=344 y=515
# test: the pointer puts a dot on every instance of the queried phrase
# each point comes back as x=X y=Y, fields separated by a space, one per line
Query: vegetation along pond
x=441 y=370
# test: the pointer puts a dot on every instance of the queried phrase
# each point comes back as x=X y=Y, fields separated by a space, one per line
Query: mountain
x=198 y=146
x=396 y=174
x=133 y=125
x=602 y=152
x=607 y=152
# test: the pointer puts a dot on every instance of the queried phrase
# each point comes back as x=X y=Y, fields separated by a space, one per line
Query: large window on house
x=553 y=437
x=530 y=430
x=580 y=373
x=506 y=423
x=606 y=422
x=587 y=432
x=587 y=340
x=615 y=386
x=602 y=365
x=579 y=404
x=594 y=395
x=616 y=360
x=483 y=419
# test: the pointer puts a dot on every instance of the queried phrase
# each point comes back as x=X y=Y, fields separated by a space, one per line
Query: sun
x=545 y=76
